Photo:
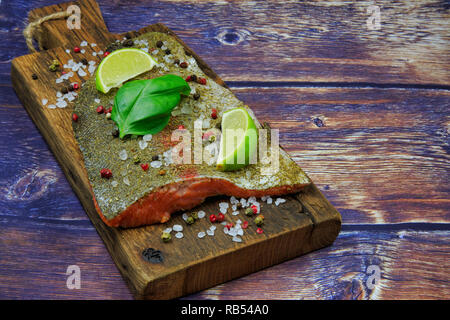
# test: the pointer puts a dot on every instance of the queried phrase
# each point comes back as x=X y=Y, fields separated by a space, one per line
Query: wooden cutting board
x=306 y=222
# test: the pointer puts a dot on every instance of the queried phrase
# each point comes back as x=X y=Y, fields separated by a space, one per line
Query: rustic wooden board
x=307 y=221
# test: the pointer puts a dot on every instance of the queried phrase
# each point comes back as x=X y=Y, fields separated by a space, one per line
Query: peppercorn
x=193 y=77
x=177 y=61
x=128 y=43
x=74 y=117
x=201 y=81
x=128 y=36
x=53 y=68
x=187 y=53
x=259 y=220
x=162 y=172
x=194 y=215
x=84 y=61
x=255 y=209
x=115 y=132
x=136 y=159
x=64 y=90
x=100 y=109
x=190 y=220
x=159 y=44
x=214 y=113
x=239 y=205
x=76 y=49
x=109 y=110
x=34 y=76
x=155 y=158
x=213 y=218
x=245 y=225
x=106 y=53
x=144 y=166
x=75 y=86
x=220 y=217
x=166 y=237
x=249 y=212
x=196 y=96
x=168 y=51
x=259 y=230
x=229 y=225
x=184 y=64
x=105 y=173
x=212 y=138
x=181 y=127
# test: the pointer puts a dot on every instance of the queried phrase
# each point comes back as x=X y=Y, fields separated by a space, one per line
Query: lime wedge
x=238 y=145
x=120 y=66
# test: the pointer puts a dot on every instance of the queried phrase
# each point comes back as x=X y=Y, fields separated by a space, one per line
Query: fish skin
x=150 y=197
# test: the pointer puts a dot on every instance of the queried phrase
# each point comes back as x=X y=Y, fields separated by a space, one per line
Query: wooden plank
x=413 y=264
x=381 y=156
x=287 y=228
x=286 y=41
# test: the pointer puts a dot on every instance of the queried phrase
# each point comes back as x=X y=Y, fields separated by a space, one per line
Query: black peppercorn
x=155 y=158
x=159 y=44
x=64 y=90
x=194 y=78
x=187 y=53
x=84 y=61
x=168 y=51
x=196 y=96
x=71 y=88
x=177 y=61
x=128 y=43
x=115 y=132
x=34 y=76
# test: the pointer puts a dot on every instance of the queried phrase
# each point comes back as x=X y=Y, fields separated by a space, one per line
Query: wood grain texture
x=289 y=231
x=39 y=208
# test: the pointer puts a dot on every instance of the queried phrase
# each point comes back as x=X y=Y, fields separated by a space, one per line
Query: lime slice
x=120 y=66
x=239 y=140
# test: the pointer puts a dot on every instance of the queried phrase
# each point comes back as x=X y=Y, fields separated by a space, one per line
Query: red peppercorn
x=255 y=209
x=245 y=225
x=144 y=166
x=183 y=64
x=75 y=86
x=220 y=217
x=213 y=218
x=181 y=127
x=106 y=54
x=63 y=72
x=105 y=173
x=259 y=230
x=188 y=78
x=100 y=109
x=201 y=80
x=75 y=117
x=76 y=49
x=229 y=225
x=109 y=110
x=214 y=113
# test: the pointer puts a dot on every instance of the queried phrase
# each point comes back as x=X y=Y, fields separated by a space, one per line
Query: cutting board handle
x=66 y=25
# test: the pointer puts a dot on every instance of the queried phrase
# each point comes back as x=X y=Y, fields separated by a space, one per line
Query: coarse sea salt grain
x=279 y=201
x=83 y=51
x=168 y=230
x=225 y=230
x=126 y=181
x=210 y=232
x=44 y=101
x=235 y=213
x=179 y=235
x=93 y=44
x=201 y=214
x=61 y=104
x=269 y=200
x=94 y=54
x=185 y=216
x=143 y=144
x=147 y=137
x=81 y=73
x=237 y=239
x=156 y=164
x=97 y=100
x=201 y=234
x=123 y=155
x=212 y=228
x=83 y=43
x=177 y=227
x=51 y=106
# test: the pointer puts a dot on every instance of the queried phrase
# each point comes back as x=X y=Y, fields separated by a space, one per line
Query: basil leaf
x=144 y=106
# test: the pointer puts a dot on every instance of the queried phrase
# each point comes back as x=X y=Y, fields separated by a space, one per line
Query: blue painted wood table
x=360 y=93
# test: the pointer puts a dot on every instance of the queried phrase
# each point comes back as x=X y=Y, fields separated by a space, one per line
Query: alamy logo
x=74 y=277
x=374 y=21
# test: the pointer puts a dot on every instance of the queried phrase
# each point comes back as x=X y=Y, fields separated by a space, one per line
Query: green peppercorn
x=190 y=220
x=212 y=138
x=56 y=63
x=259 y=220
x=249 y=212
x=53 y=68
x=136 y=159
x=194 y=215
x=166 y=237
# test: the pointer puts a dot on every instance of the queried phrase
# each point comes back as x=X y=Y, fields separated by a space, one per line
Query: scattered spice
x=213 y=218
x=255 y=209
x=239 y=205
x=201 y=81
x=166 y=237
x=136 y=159
x=106 y=53
x=76 y=49
x=177 y=61
x=190 y=220
x=159 y=44
x=84 y=61
x=162 y=172
x=212 y=138
x=109 y=110
x=259 y=230
x=144 y=166
x=128 y=43
x=194 y=215
x=259 y=220
x=100 y=109
x=64 y=90
x=74 y=117
x=214 y=113
x=106 y=173
x=155 y=158
x=196 y=96
x=229 y=225
x=245 y=225
x=115 y=132
x=34 y=76
x=181 y=127
x=184 y=64
x=249 y=212
x=168 y=51
x=75 y=86
x=220 y=217
x=187 y=53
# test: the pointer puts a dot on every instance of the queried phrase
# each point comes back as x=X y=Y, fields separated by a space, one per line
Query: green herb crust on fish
x=143 y=185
